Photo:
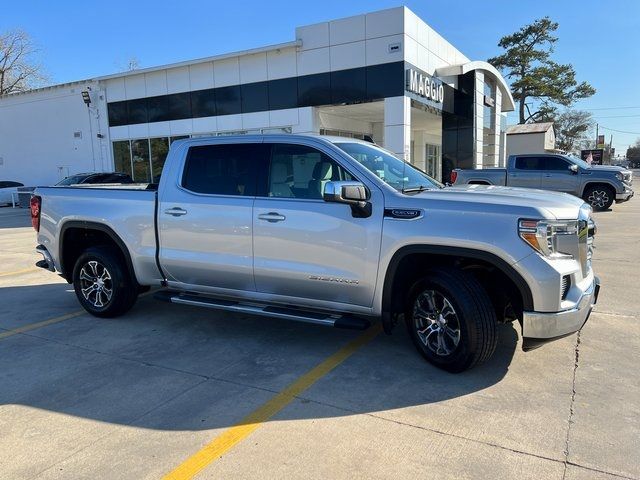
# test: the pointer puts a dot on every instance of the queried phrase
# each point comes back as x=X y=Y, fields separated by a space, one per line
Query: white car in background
x=6 y=189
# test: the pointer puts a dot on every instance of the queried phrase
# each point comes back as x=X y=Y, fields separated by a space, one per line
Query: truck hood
x=517 y=201
x=608 y=168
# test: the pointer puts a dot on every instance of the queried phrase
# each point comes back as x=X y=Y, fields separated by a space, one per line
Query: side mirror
x=349 y=193
x=573 y=168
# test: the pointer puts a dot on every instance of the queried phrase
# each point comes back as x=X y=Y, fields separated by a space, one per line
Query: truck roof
x=255 y=137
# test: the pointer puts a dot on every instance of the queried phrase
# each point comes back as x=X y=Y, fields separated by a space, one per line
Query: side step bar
x=307 y=316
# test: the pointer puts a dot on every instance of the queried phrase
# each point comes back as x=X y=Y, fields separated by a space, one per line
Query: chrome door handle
x=547 y=174
x=176 y=211
x=272 y=217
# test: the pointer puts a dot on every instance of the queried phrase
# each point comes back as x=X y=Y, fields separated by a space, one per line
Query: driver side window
x=298 y=171
x=556 y=163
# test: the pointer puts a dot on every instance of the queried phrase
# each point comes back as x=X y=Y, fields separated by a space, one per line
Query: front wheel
x=451 y=320
x=599 y=197
x=102 y=282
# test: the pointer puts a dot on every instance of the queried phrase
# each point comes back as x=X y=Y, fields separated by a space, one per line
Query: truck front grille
x=586 y=232
x=564 y=287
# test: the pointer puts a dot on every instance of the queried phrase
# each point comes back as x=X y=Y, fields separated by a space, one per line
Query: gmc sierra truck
x=331 y=231
x=598 y=185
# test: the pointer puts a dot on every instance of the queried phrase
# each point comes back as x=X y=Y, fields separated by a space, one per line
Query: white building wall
x=397 y=126
x=392 y=35
x=47 y=134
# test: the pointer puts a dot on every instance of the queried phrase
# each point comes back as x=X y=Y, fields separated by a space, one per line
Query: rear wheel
x=600 y=197
x=451 y=320
x=102 y=282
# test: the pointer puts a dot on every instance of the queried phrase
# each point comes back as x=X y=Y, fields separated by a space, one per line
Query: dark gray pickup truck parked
x=598 y=185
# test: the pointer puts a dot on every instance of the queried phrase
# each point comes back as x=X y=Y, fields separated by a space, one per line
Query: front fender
x=389 y=303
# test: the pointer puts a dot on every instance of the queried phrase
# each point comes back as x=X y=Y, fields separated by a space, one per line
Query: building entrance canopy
x=508 y=104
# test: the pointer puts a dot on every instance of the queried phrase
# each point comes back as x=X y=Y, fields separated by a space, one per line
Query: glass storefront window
x=432 y=160
x=159 y=150
x=122 y=157
x=141 y=165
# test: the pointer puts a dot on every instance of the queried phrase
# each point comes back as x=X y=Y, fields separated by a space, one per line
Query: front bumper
x=624 y=196
x=539 y=328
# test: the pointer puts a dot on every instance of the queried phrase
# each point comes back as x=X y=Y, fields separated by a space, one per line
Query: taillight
x=454 y=176
x=35 y=204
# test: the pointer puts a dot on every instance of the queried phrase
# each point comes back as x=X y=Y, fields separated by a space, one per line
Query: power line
x=620 y=131
x=619 y=116
x=608 y=108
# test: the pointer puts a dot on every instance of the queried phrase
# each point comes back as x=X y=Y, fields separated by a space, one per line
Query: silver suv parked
x=331 y=231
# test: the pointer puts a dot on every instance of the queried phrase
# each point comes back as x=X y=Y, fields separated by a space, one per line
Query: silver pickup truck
x=598 y=185
x=331 y=231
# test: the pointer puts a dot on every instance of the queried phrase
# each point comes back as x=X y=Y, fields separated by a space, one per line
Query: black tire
x=600 y=197
x=474 y=316
x=92 y=285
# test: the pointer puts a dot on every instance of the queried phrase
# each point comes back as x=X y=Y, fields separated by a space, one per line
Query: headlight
x=620 y=176
x=545 y=236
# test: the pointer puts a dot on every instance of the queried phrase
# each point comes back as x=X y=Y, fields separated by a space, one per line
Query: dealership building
x=384 y=75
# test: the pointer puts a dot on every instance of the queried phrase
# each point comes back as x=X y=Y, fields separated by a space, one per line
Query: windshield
x=399 y=174
x=578 y=161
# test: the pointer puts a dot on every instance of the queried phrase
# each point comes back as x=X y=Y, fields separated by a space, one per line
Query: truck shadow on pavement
x=14 y=218
x=171 y=367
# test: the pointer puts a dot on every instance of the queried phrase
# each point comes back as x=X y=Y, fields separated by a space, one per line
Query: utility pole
x=596 y=135
x=611 y=149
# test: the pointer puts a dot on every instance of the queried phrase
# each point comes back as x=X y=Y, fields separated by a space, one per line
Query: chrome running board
x=274 y=311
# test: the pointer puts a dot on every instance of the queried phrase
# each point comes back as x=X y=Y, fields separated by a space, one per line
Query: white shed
x=531 y=138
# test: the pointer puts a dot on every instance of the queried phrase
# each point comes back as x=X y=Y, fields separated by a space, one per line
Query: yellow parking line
x=44 y=323
x=20 y=272
x=234 y=435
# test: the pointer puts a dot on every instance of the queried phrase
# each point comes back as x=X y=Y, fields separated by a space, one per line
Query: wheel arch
x=595 y=183
x=479 y=182
x=76 y=235
x=404 y=258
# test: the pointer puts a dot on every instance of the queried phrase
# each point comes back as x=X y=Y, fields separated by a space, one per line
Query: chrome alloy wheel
x=96 y=284
x=598 y=198
x=436 y=322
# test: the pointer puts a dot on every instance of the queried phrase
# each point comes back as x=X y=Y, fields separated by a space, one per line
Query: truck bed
x=128 y=210
x=482 y=176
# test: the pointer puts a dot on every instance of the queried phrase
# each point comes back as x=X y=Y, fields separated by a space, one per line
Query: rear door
x=557 y=176
x=526 y=172
x=205 y=217
x=305 y=247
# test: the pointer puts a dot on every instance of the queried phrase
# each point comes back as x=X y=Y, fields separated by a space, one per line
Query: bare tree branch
x=19 y=68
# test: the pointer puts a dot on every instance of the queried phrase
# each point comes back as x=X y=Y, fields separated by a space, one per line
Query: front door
x=305 y=247
x=557 y=176
x=527 y=172
x=205 y=219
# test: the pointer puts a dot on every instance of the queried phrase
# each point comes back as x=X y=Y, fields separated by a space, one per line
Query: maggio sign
x=425 y=86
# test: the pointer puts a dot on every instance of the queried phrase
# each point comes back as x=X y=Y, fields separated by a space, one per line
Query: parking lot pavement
x=178 y=390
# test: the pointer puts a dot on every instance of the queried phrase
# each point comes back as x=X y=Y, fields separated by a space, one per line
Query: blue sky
x=79 y=40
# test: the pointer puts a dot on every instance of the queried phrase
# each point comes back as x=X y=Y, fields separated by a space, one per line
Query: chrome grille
x=590 y=234
x=586 y=232
x=564 y=286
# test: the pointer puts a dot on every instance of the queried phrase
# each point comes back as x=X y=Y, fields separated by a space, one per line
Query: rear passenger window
x=529 y=163
x=298 y=171
x=224 y=169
